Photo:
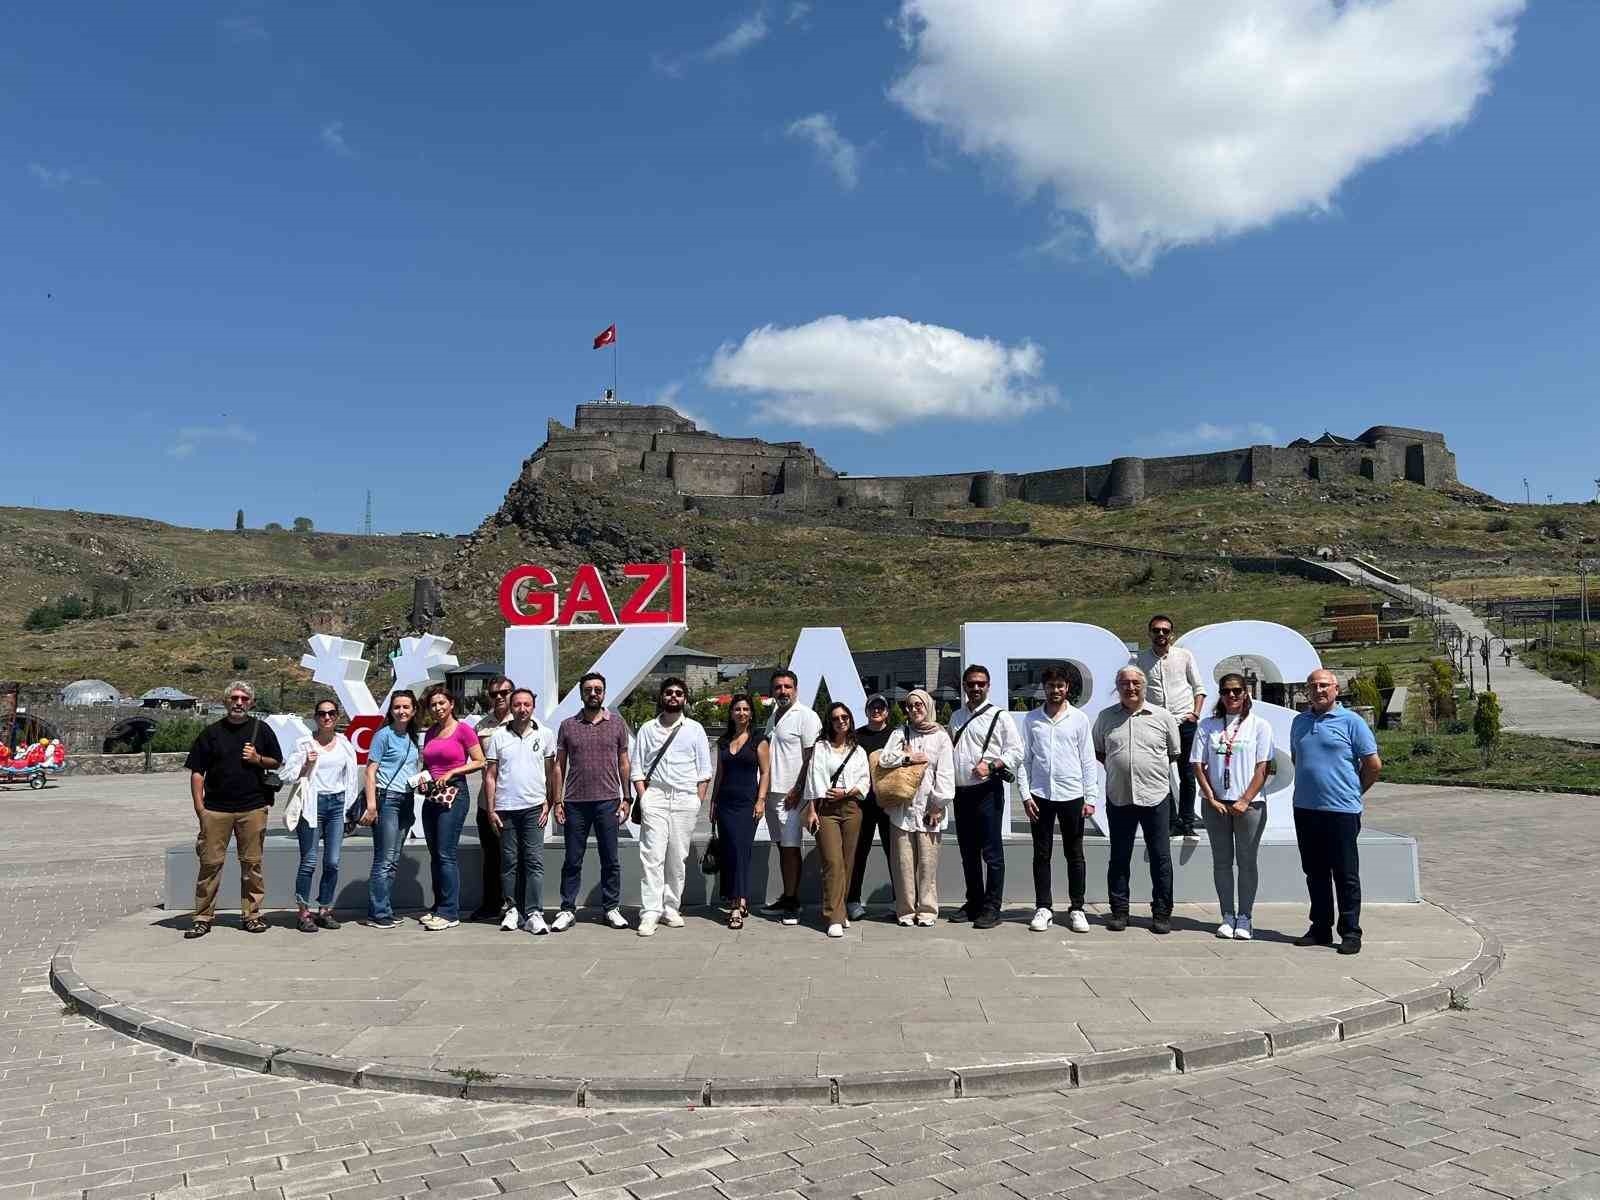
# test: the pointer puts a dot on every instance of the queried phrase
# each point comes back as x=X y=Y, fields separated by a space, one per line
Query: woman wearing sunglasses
x=836 y=780
x=1232 y=750
x=917 y=827
x=328 y=760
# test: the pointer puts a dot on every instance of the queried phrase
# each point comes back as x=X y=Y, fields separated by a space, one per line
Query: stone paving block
x=413 y=1081
x=317 y=1068
x=1018 y=1078
x=876 y=1086
x=525 y=1089
x=1112 y=1065
x=1422 y=1002
x=676 y=1093
x=233 y=1052
x=1197 y=1054
x=124 y=1018
x=1368 y=1018
x=169 y=1035
x=771 y=1091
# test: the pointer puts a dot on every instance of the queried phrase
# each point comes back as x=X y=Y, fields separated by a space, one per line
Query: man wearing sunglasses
x=498 y=690
x=591 y=767
x=1173 y=682
x=671 y=772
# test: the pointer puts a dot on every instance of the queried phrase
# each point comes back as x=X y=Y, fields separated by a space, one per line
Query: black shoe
x=485 y=914
x=987 y=919
x=325 y=919
x=1160 y=923
x=961 y=914
x=306 y=923
x=1350 y=946
x=1117 y=922
x=1314 y=937
x=776 y=908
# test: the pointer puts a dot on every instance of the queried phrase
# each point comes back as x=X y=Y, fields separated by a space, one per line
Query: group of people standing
x=799 y=773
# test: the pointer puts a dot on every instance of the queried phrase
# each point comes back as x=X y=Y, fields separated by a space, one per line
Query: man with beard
x=671 y=772
x=988 y=752
x=792 y=732
x=591 y=765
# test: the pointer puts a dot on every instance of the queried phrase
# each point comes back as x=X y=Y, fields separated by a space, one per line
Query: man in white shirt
x=988 y=754
x=1172 y=682
x=671 y=770
x=1137 y=741
x=518 y=784
x=792 y=731
x=1061 y=782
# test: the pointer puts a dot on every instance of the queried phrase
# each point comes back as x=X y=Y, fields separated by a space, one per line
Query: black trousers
x=1180 y=808
x=872 y=818
x=1332 y=863
x=600 y=816
x=1125 y=820
x=489 y=855
x=1069 y=815
x=979 y=811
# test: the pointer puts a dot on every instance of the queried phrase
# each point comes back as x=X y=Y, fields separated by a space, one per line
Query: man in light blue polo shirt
x=1335 y=762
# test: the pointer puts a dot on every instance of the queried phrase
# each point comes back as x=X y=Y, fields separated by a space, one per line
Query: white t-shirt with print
x=1251 y=741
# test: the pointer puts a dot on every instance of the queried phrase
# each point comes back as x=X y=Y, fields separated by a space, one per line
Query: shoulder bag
x=636 y=813
x=269 y=779
x=296 y=803
x=895 y=787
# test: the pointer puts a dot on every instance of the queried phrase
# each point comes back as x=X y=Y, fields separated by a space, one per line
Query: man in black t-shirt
x=228 y=766
x=873 y=736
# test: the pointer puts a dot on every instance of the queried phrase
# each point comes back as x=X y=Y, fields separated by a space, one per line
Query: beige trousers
x=248 y=830
x=915 y=859
x=838 y=827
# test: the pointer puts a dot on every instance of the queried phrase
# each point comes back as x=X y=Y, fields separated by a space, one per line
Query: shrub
x=1499 y=525
x=1439 y=686
x=1456 y=727
x=273 y=527
x=302 y=525
x=1486 y=725
x=192 y=669
x=71 y=608
x=46 y=618
x=163 y=624
x=126 y=644
x=1383 y=677
x=1365 y=691
x=1142 y=576
x=175 y=736
x=1422 y=747
x=241 y=662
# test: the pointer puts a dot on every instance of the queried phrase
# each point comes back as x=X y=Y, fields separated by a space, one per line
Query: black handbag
x=711 y=858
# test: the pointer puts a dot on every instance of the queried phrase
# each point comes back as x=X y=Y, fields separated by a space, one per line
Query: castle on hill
x=655 y=448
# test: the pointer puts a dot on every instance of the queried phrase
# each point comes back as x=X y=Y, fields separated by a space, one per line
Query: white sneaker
x=1225 y=930
x=1241 y=929
x=647 y=925
x=1043 y=918
x=924 y=921
x=671 y=919
x=564 y=921
x=856 y=911
x=535 y=923
x=615 y=919
x=905 y=921
x=835 y=930
x=511 y=921
x=1077 y=921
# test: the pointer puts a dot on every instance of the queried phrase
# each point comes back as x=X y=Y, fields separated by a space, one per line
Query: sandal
x=305 y=923
x=255 y=925
x=198 y=930
x=736 y=919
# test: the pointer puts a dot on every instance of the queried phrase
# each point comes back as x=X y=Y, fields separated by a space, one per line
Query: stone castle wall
x=655 y=448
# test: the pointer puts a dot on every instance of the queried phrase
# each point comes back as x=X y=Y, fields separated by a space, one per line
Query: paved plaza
x=1497 y=1100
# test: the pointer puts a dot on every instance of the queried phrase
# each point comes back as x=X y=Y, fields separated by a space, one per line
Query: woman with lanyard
x=917 y=826
x=836 y=780
x=1232 y=750
x=393 y=761
x=738 y=800
x=450 y=753
x=328 y=760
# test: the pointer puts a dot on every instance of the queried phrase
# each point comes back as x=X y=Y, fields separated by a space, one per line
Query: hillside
x=201 y=597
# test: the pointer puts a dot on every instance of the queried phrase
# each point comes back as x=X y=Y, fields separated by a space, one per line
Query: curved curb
x=1051 y=1075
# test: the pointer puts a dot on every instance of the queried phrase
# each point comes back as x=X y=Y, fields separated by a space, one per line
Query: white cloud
x=56 y=178
x=748 y=33
x=191 y=436
x=1163 y=123
x=799 y=12
x=332 y=138
x=1210 y=435
x=878 y=372
x=244 y=27
x=668 y=395
x=837 y=152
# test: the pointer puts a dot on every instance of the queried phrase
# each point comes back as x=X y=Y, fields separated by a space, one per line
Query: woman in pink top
x=449 y=754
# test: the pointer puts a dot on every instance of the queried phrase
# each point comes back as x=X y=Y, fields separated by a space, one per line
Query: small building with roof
x=168 y=697
x=90 y=691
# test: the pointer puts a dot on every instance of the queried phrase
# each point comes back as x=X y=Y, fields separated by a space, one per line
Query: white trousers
x=665 y=838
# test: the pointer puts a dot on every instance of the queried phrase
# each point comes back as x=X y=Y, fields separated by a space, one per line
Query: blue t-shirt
x=397 y=757
x=1327 y=751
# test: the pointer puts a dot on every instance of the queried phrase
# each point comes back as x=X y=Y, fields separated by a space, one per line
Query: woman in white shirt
x=835 y=783
x=916 y=828
x=328 y=761
x=1232 y=750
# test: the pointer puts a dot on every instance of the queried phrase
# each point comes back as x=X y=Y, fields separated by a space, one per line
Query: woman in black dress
x=739 y=800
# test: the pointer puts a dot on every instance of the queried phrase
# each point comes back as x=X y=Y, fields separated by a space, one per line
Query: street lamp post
x=1551 y=639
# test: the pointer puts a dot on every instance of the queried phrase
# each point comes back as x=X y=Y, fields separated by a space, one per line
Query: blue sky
x=270 y=255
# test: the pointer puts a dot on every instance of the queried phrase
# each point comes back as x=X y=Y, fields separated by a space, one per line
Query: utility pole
x=367 y=527
x=1527 y=492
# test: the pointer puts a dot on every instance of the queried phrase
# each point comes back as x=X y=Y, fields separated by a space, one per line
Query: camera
x=1003 y=773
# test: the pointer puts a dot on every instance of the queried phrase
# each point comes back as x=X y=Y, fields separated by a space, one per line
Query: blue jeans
x=396 y=812
x=330 y=833
x=521 y=860
x=442 y=827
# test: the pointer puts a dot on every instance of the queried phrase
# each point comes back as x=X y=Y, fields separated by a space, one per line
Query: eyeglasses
x=328 y=713
x=1160 y=632
x=673 y=692
x=501 y=692
x=837 y=717
x=1233 y=691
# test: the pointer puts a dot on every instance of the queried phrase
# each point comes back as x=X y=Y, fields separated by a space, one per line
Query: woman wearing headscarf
x=916 y=827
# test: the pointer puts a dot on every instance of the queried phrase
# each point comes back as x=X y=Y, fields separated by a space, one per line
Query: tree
x=302 y=524
x=238 y=521
x=273 y=527
x=1486 y=725
x=1365 y=691
x=1384 y=677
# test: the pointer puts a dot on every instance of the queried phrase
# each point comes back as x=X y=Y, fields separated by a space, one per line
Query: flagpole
x=614 y=394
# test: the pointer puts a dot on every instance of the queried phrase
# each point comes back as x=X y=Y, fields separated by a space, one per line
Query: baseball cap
x=877 y=698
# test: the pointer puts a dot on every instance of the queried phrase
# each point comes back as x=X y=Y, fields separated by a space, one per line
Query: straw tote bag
x=894 y=787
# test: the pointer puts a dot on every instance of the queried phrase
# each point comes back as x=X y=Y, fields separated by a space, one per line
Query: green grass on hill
x=1521 y=762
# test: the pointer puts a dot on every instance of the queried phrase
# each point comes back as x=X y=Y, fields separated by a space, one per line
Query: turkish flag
x=606 y=338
